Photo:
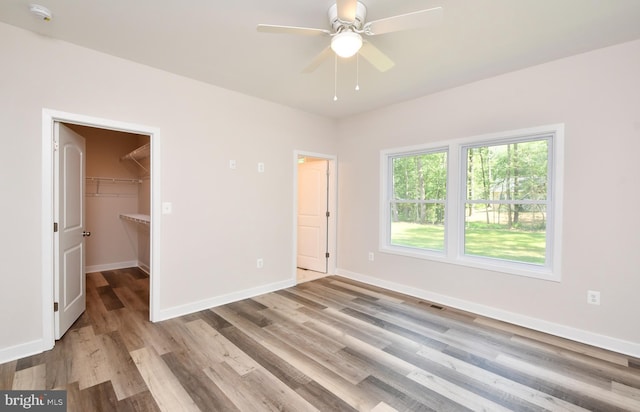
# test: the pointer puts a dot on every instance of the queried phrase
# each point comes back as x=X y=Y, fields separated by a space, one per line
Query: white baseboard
x=188 y=308
x=22 y=350
x=563 y=331
x=144 y=267
x=111 y=266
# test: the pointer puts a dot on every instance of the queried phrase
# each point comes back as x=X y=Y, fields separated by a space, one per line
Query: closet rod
x=113 y=180
x=111 y=195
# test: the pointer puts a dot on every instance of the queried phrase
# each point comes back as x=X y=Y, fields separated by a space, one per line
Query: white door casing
x=69 y=245
x=312 y=214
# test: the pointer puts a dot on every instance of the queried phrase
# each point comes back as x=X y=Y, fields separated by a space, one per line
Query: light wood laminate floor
x=330 y=344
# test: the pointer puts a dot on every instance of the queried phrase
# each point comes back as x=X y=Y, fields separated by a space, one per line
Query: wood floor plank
x=248 y=392
x=556 y=341
x=304 y=302
x=282 y=370
x=219 y=349
x=323 y=399
x=213 y=319
x=331 y=344
x=205 y=394
x=125 y=377
x=612 y=369
x=31 y=378
x=382 y=295
x=96 y=280
x=109 y=298
x=383 y=407
x=626 y=391
x=7 y=373
x=570 y=382
x=308 y=293
x=355 y=344
x=162 y=383
x=342 y=328
x=251 y=310
x=101 y=397
x=400 y=388
x=131 y=299
x=323 y=376
x=141 y=402
x=89 y=364
x=577 y=398
x=476 y=379
x=150 y=335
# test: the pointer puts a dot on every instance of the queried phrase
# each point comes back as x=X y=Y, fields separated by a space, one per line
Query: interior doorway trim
x=332 y=236
x=49 y=117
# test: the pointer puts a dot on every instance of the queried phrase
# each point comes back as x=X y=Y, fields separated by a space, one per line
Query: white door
x=313 y=177
x=69 y=287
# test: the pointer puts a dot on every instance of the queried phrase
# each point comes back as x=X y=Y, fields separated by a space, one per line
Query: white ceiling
x=216 y=41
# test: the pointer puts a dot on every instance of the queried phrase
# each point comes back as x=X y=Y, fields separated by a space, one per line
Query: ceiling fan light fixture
x=346 y=43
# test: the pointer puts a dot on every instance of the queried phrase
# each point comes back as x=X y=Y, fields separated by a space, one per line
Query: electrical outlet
x=232 y=164
x=371 y=256
x=593 y=297
x=260 y=167
x=259 y=263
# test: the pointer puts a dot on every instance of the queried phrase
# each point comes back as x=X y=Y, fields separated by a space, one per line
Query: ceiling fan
x=348 y=26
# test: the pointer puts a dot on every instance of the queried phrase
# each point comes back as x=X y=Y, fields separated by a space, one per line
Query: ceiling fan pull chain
x=357 y=71
x=335 y=78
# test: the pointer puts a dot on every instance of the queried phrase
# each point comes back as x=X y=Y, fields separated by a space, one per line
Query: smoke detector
x=41 y=11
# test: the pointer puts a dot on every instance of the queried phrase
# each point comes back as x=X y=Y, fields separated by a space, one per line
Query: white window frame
x=455 y=201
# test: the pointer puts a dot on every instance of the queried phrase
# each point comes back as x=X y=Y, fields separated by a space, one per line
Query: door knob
x=86 y=234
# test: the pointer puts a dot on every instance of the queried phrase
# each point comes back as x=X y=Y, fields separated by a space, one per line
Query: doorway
x=315 y=215
x=51 y=121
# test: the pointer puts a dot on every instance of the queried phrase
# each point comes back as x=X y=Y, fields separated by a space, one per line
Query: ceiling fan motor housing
x=339 y=25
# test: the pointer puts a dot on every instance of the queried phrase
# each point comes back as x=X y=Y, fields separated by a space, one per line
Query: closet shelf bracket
x=140 y=153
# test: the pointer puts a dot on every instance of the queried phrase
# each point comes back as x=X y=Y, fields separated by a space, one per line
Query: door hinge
x=326 y=255
x=328 y=214
x=55 y=227
x=55 y=306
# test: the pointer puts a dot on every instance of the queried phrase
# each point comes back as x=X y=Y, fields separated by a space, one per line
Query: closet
x=118 y=202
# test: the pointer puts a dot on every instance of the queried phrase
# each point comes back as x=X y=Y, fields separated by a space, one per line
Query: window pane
x=420 y=177
x=419 y=225
x=514 y=171
x=510 y=232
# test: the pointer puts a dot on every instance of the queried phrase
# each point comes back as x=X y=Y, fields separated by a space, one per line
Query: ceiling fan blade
x=305 y=31
x=415 y=20
x=377 y=58
x=317 y=61
x=347 y=10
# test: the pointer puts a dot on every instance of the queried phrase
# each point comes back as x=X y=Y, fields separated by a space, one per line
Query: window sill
x=494 y=265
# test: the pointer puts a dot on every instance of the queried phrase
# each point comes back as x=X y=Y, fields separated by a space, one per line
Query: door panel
x=69 y=242
x=312 y=215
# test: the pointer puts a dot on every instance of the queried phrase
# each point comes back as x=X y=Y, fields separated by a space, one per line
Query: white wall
x=222 y=219
x=597 y=96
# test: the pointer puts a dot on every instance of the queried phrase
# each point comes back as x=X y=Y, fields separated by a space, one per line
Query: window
x=491 y=201
x=417 y=205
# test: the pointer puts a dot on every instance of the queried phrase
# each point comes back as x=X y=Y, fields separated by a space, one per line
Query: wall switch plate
x=260 y=167
x=167 y=208
x=371 y=256
x=593 y=297
x=232 y=164
x=259 y=263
